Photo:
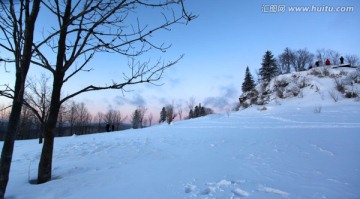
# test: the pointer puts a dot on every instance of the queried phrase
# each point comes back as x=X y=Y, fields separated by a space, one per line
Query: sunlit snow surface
x=286 y=151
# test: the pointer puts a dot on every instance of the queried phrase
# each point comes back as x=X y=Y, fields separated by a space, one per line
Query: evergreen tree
x=136 y=119
x=268 y=68
x=196 y=111
x=163 y=115
x=248 y=83
x=191 y=114
x=202 y=111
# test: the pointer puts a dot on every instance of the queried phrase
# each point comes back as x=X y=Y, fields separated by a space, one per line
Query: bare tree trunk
x=9 y=140
x=22 y=64
x=45 y=164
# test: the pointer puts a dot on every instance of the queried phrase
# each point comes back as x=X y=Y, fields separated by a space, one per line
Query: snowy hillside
x=303 y=146
x=330 y=81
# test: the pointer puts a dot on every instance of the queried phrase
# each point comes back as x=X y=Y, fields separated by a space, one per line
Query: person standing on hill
x=317 y=63
x=327 y=62
x=341 y=60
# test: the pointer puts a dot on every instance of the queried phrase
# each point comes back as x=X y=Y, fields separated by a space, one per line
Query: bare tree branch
x=4 y=108
x=7 y=92
x=140 y=74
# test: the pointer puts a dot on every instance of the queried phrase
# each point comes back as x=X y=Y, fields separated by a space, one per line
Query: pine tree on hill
x=136 y=119
x=163 y=115
x=248 y=83
x=202 y=111
x=268 y=68
x=191 y=114
x=197 y=111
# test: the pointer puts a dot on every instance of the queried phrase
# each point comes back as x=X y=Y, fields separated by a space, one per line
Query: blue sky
x=225 y=38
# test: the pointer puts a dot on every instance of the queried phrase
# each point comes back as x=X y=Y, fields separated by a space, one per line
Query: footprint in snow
x=240 y=193
x=208 y=190
x=189 y=188
x=273 y=191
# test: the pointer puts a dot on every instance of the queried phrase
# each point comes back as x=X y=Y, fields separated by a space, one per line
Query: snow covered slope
x=300 y=147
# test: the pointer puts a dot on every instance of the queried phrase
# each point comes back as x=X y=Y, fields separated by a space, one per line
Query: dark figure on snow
x=341 y=60
x=327 y=62
x=317 y=63
x=107 y=127
x=112 y=127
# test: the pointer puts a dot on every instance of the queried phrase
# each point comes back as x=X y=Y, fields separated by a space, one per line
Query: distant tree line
x=199 y=111
x=74 y=118
x=168 y=112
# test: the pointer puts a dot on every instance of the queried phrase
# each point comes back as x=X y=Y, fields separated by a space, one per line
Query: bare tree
x=38 y=100
x=4 y=111
x=334 y=56
x=353 y=60
x=180 y=111
x=137 y=119
x=72 y=116
x=85 y=28
x=191 y=103
x=150 y=118
x=109 y=116
x=27 y=124
x=118 y=120
x=286 y=60
x=99 y=118
x=303 y=58
x=170 y=113
x=84 y=119
x=113 y=117
x=322 y=55
x=64 y=109
x=145 y=122
x=17 y=25
x=4 y=116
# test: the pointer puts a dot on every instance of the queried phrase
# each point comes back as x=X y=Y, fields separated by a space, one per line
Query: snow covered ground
x=290 y=150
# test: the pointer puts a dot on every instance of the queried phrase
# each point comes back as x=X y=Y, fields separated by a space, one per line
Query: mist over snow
x=303 y=146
